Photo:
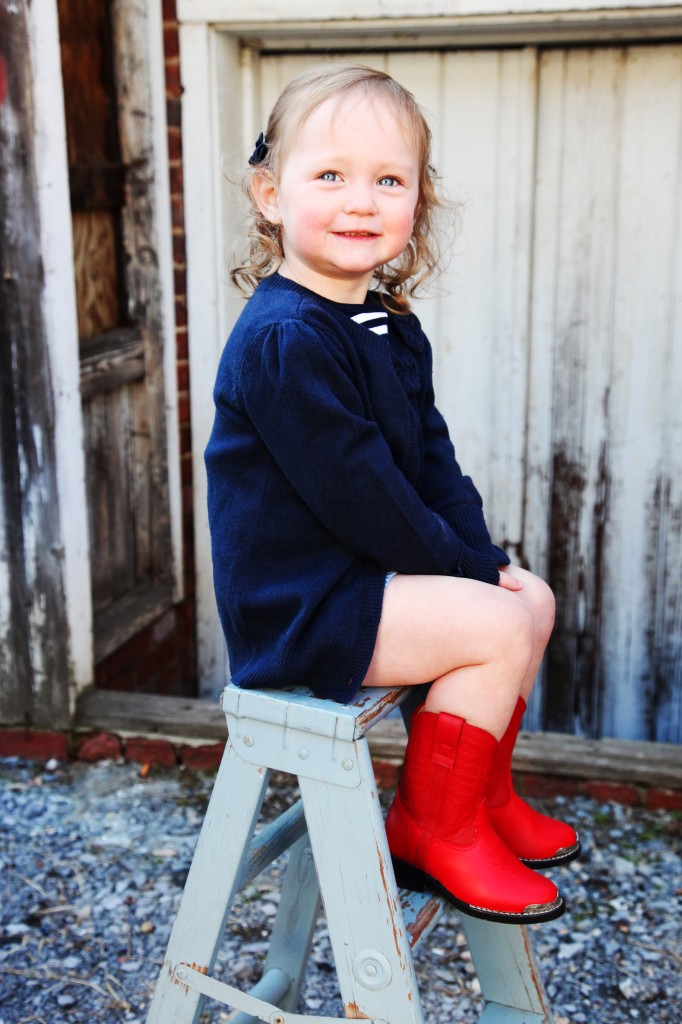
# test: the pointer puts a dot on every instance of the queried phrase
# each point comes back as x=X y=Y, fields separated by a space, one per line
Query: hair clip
x=261 y=151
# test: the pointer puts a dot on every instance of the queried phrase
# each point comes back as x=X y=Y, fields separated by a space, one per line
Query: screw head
x=248 y=741
x=372 y=969
x=347 y=764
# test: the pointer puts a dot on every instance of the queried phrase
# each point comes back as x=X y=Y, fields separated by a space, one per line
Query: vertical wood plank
x=201 y=180
x=604 y=404
x=642 y=639
x=486 y=130
x=35 y=669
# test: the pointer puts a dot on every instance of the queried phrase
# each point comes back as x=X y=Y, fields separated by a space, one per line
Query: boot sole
x=409 y=877
x=572 y=853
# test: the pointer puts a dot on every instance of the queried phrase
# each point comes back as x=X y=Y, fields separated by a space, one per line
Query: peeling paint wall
x=35 y=673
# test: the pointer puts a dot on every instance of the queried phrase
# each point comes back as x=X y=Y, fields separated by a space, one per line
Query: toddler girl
x=349 y=549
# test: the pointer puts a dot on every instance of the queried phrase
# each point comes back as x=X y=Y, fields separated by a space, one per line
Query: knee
x=517 y=633
x=537 y=596
x=543 y=608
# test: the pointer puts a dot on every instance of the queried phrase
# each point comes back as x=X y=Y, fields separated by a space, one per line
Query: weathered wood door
x=110 y=168
x=558 y=341
x=36 y=656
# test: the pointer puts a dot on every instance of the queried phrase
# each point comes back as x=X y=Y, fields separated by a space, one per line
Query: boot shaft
x=499 y=788
x=446 y=769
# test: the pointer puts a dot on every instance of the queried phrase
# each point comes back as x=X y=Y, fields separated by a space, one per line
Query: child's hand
x=508 y=581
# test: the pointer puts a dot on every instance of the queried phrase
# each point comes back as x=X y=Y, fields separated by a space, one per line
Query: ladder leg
x=372 y=953
x=292 y=933
x=211 y=885
x=512 y=988
x=299 y=910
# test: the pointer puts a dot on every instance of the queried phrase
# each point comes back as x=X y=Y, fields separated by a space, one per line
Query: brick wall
x=162 y=658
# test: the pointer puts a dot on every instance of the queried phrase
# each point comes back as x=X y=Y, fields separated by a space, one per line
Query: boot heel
x=409 y=877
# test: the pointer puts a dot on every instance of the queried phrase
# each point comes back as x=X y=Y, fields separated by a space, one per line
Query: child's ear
x=266 y=195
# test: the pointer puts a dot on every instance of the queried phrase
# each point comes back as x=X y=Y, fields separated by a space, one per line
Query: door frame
x=59 y=302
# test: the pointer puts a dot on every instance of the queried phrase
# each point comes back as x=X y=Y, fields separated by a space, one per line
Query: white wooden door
x=557 y=329
x=605 y=417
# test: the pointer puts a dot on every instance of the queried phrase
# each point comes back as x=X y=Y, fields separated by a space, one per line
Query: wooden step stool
x=373 y=926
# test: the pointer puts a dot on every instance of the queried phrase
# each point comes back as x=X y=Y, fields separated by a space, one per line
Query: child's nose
x=360 y=199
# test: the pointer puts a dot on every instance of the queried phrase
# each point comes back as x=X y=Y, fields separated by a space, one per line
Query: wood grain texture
x=202 y=721
x=35 y=671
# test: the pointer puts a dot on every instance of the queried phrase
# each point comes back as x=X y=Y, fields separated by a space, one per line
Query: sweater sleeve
x=445 y=489
x=298 y=391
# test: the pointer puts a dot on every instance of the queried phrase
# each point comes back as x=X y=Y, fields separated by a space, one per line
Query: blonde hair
x=399 y=280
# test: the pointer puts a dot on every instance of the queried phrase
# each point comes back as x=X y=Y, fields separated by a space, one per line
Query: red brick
x=664 y=799
x=98 y=746
x=148 y=751
x=183 y=408
x=180 y=281
x=547 y=785
x=205 y=758
x=176 y=179
x=182 y=371
x=173 y=83
x=185 y=438
x=614 y=792
x=386 y=774
x=34 y=744
x=173 y=111
x=171 y=47
x=178 y=218
x=186 y=470
x=179 y=253
x=174 y=143
x=181 y=326
x=169 y=11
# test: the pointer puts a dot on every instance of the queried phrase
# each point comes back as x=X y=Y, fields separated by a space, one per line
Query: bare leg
x=480 y=645
x=539 y=600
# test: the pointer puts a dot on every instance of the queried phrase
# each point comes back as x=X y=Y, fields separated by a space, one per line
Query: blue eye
x=389 y=180
x=329 y=176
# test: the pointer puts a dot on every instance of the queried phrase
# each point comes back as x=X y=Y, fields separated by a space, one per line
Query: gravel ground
x=94 y=857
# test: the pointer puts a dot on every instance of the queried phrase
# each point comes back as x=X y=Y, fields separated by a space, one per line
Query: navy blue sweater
x=328 y=466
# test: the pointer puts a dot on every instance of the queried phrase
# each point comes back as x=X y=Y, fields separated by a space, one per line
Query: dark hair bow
x=261 y=151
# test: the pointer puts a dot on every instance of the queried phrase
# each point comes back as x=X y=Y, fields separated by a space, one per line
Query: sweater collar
x=405 y=325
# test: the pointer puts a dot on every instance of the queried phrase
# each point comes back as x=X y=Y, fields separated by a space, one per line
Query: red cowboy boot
x=439 y=833
x=537 y=840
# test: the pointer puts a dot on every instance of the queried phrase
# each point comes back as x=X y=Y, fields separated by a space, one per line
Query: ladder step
x=421 y=912
x=271 y=841
x=271 y=987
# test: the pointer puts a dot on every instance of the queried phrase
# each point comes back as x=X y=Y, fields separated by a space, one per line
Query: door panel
x=108 y=119
x=607 y=344
x=557 y=332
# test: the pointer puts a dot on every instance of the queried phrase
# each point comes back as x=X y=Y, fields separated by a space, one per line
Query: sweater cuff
x=500 y=554
x=475 y=565
x=468 y=523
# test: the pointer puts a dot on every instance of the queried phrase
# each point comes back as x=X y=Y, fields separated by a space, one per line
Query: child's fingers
x=509 y=582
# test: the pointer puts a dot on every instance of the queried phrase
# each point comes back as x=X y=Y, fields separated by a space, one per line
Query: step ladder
x=338 y=848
